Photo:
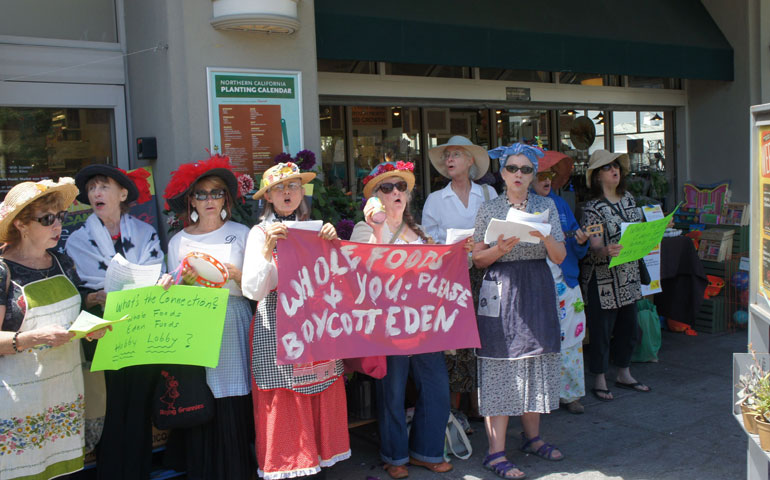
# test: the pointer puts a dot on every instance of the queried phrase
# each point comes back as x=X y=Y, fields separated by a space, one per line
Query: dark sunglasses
x=526 y=169
x=546 y=176
x=49 y=218
x=607 y=167
x=388 y=187
x=202 y=195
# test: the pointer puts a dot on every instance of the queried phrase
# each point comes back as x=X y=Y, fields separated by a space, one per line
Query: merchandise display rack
x=758 y=461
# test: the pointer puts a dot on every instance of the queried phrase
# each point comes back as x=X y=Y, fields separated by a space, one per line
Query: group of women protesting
x=293 y=418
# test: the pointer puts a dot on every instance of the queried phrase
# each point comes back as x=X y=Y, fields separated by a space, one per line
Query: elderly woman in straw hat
x=40 y=366
x=455 y=206
x=519 y=360
x=202 y=194
x=553 y=173
x=301 y=422
x=611 y=293
x=126 y=442
x=392 y=183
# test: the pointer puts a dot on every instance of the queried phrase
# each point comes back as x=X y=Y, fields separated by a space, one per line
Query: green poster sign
x=181 y=325
x=254 y=86
x=640 y=238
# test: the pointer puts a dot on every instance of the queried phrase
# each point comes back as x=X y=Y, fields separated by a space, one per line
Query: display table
x=682 y=279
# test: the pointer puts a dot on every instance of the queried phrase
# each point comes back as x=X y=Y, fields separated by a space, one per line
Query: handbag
x=644 y=274
x=182 y=398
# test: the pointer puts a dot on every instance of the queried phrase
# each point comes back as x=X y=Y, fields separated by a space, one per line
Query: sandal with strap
x=501 y=469
x=545 y=451
x=396 y=471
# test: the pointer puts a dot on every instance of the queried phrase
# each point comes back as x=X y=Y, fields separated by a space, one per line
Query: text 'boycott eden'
x=357 y=289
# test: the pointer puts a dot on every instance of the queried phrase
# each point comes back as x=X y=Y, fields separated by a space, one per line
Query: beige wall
x=716 y=138
x=167 y=89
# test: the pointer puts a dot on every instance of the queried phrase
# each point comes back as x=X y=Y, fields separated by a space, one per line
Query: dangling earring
x=223 y=214
x=194 y=216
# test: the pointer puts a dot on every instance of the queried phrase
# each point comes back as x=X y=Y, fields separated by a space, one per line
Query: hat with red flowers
x=389 y=169
x=134 y=181
x=188 y=174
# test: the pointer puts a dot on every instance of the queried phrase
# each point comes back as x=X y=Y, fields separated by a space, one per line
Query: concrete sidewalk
x=683 y=429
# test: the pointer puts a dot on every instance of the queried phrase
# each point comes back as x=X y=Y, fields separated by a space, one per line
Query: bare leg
x=600 y=383
x=496 y=427
x=624 y=376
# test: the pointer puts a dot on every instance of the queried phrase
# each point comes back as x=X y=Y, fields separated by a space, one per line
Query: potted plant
x=762 y=408
x=748 y=386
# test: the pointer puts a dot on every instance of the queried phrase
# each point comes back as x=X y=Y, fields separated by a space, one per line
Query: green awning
x=650 y=38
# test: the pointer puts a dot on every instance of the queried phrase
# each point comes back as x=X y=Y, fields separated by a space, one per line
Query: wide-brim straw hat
x=27 y=192
x=603 y=157
x=109 y=171
x=187 y=175
x=560 y=163
x=280 y=173
x=479 y=154
x=385 y=170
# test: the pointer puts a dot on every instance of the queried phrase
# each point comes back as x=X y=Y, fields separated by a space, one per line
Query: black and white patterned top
x=618 y=286
x=498 y=208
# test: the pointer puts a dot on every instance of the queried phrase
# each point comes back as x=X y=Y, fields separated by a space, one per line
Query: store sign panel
x=254 y=115
x=517 y=94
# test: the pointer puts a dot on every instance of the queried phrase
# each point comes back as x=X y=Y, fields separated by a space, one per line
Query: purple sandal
x=501 y=469
x=545 y=451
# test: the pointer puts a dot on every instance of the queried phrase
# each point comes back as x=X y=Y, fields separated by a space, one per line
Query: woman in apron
x=125 y=448
x=300 y=414
x=41 y=400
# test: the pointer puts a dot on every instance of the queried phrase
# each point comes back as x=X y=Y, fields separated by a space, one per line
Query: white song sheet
x=454 y=235
x=518 y=224
x=122 y=274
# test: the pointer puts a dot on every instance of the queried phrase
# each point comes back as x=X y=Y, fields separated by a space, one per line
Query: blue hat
x=502 y=153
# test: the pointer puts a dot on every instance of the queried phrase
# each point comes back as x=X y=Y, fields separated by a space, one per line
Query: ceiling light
x=570 y=112
x=600 y=116
x=657 y=118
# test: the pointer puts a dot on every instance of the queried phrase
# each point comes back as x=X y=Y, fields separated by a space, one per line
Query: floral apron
x=41 y=395
x=570 y=307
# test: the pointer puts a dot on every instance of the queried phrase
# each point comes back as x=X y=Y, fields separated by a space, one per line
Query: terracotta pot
x=749 y=422
x=763 y=428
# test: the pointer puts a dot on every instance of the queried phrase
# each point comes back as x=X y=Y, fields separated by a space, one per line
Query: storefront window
x=333 y=148
x=88 y=20
x=595 y=79
x=443 y=123
x=522 y=126
x=385 y=133
x=425 y=70
x=37 y=143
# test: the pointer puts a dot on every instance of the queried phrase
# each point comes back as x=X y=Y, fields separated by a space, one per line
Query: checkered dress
x=301 y=378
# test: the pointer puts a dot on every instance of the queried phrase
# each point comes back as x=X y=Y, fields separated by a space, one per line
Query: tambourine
x=211 y=272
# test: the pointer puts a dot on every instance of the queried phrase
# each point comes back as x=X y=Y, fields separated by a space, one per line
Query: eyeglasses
x=447 y=154
x=49 y=218
x=203 y=195
x=526 y=169
x=607 y=167
x=546 y=176
x=293 y=186
x=388 y=187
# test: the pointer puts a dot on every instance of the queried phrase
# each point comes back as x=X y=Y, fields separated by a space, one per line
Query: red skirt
x=298 y=434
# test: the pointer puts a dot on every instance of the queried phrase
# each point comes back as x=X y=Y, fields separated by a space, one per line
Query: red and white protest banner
x=340 y=299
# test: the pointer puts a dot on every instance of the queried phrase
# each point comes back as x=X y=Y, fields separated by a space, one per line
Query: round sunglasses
x=388 y=187
x=546 y=176
x=526 y=169
x=49 y=218
x=203 y=195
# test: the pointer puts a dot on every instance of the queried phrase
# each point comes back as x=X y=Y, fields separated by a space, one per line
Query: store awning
x=651 y=38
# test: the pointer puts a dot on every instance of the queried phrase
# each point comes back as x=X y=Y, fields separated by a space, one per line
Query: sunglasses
x=526 y=169
x=202 y=195
x=49 y=218
x=607 y=167
x=388 y=187
x=293 y=186
x=546 y=176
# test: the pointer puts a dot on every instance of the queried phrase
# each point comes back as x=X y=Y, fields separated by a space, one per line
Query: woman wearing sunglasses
x=123 y=430
x=40 y=366
x=519 y=360
x=553 y=173
x=202 y=194
x=611 y=293
x=392 y=183
x=300 y=419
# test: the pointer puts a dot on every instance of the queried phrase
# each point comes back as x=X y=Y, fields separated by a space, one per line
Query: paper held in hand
x=312 y=225
x=454 y=235
x=87 y=323
x=518 y=224
x=122 y=275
